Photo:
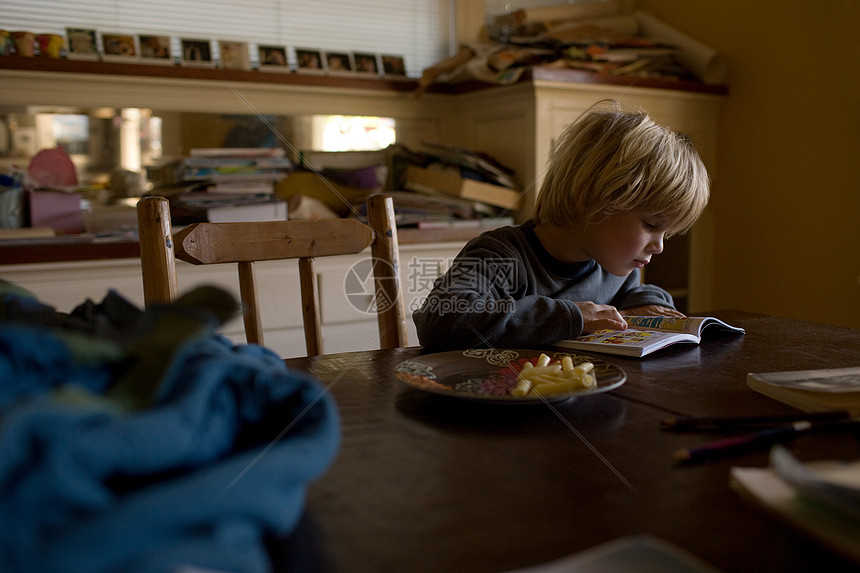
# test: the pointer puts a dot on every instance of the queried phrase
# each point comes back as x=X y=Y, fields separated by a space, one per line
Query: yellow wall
x=787 y=189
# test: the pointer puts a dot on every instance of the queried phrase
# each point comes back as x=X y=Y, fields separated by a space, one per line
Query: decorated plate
x=489 y=375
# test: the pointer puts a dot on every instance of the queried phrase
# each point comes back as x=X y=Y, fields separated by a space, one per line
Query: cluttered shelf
x=562 y=75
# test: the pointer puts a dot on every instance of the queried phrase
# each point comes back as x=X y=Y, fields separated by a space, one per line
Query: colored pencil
x=740 y=443
x=740 y=422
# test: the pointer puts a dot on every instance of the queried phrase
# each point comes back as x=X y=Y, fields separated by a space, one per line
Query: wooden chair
x=245 y=243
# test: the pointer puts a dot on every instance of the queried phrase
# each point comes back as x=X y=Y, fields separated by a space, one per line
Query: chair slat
x=207 y=243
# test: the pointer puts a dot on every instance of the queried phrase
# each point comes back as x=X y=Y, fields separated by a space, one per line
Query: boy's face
x=624 y=241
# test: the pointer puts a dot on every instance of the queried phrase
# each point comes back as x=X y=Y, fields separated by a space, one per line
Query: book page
x=629 y=337
x=667 y=323
x=824 y=518
x=692 y=325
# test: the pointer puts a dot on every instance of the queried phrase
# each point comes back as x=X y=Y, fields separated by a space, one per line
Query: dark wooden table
x=433 y=483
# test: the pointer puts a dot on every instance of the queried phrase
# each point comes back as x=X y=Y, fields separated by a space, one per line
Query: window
x=418 y=30
x=352 y=133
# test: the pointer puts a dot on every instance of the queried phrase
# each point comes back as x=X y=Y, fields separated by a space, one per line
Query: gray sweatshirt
x=504 y=290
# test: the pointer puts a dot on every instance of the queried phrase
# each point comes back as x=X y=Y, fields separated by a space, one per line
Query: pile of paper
x=820 y=498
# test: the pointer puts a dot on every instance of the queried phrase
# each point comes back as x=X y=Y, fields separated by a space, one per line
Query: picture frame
x=82 y=44
x=366 y=63
x=338 y=63
x=155 y=49
x=119 y=47
x=196 y=52
x=233 y=55
x=272 y=58
x=393 y=66
x=310 y=61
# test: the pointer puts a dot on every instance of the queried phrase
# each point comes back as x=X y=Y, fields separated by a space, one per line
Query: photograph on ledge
x=310 y=61
x=83 y=44
x=393 y=66
x=234 y=55
x=273 y=58
x=119 y=47
x=366 y=64
x=338 y=62
x=196 y=52
x=155 y=49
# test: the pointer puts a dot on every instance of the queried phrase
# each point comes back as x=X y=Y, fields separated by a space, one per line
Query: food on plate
x=547 y=377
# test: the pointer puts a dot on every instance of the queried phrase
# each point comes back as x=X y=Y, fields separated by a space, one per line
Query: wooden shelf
x=39 y=64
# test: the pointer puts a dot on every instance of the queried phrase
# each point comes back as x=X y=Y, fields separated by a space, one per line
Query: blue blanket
x=151 y=445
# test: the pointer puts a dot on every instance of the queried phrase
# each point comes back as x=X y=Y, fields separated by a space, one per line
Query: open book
x=647 y=334
x=811 y=390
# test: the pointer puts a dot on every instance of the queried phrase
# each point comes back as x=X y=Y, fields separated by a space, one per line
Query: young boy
x=616 y=185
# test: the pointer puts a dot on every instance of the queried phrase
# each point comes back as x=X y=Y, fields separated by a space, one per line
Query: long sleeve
x=485 y=299
x=632 y=294
x=503 y=290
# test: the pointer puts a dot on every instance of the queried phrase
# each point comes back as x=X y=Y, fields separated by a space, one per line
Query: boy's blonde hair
x=612 y=161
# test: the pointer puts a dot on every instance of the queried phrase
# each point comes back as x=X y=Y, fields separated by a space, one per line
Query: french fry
x=550 y=389
x=546 y=377
x=522 y=388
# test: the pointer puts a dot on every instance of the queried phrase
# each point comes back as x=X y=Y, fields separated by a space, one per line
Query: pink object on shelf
x=53 y=168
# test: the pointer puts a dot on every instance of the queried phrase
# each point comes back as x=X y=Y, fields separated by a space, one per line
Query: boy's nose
x=655 y=247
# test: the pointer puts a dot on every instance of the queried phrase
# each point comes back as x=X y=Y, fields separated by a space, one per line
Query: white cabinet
x=345 y=327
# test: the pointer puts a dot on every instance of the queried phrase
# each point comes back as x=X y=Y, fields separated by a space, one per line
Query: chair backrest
x=245 y=243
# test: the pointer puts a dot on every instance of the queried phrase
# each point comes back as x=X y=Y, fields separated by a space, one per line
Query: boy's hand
x=653 y=310
x=600 y=316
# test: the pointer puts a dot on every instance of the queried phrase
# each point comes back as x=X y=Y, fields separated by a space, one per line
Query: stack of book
x=237 y=166
x=232 y=185
x=451 y=186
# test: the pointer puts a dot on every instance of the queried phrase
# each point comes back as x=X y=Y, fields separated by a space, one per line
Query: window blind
x=418 y=30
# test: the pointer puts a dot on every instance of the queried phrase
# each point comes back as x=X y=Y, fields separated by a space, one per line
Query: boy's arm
x=479 y=302
x=450 y=322
x=653 y=310
x=634 y=298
